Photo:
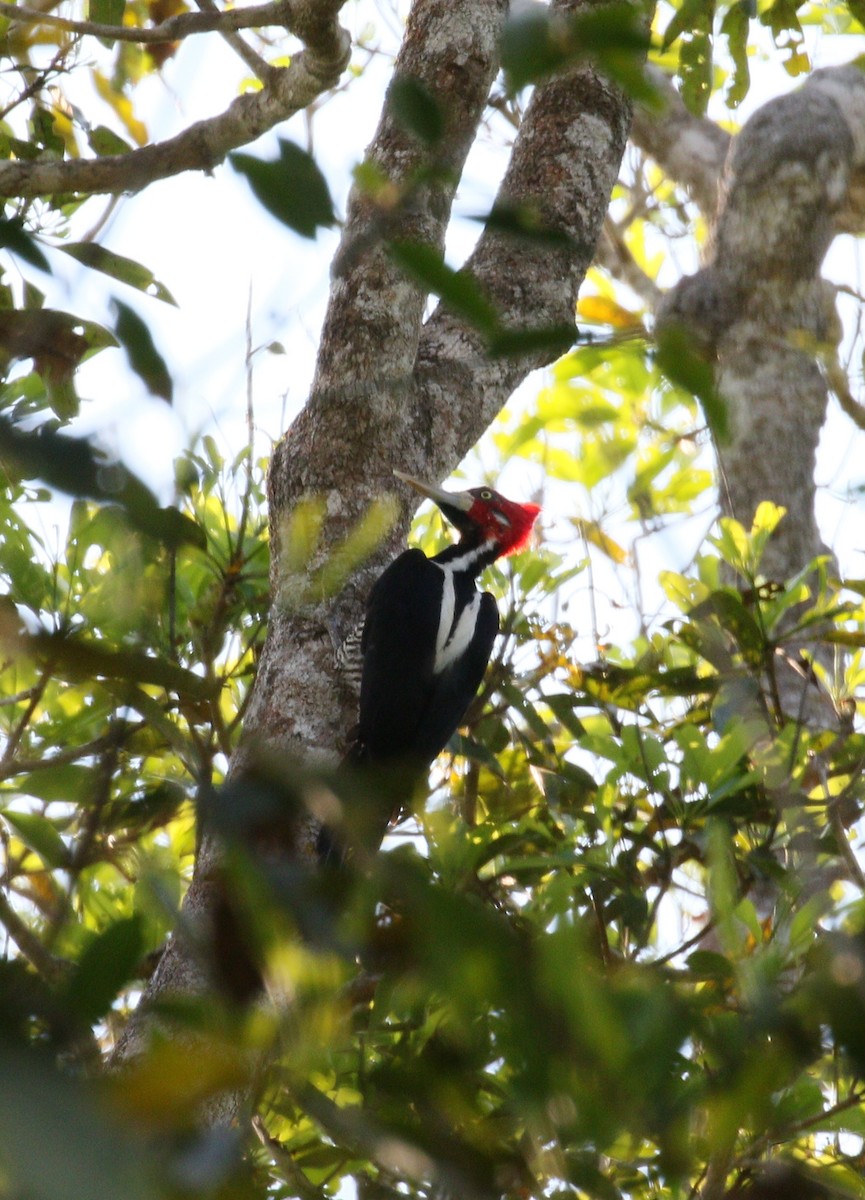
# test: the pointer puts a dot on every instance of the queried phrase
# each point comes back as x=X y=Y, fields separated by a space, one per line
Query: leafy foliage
x=292 y=188
x=633 y=934
x=618 y=952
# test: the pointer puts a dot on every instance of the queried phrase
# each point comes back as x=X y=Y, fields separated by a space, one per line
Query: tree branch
x=205 y=144
x=259 y=66
x=51 y=968
x=279 y=12
x=389 y=394
x=692 y=150
x=761 y=308
x=612 y=253
x=564 y=164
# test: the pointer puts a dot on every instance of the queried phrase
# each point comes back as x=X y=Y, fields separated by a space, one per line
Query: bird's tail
x=357 y=753
x=334 y=843
x=373 y=796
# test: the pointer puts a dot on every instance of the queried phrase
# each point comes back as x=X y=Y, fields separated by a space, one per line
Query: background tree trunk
x=760 y=305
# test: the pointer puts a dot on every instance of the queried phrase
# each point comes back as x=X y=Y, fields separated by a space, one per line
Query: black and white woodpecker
x=427 y=639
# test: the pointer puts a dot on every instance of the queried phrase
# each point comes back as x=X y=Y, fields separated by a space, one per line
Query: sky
x=219 y=253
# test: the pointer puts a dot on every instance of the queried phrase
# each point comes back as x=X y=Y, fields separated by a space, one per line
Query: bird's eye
x=486 y=494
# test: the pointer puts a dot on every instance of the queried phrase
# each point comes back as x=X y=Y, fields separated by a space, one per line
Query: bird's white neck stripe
x=461 y=635
x=446 y=613
x=455 y=631
x=465 y=561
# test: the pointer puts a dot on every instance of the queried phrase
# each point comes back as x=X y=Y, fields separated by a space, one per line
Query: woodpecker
x=428 y=636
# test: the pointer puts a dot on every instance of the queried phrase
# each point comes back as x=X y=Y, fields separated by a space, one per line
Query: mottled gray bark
x=761 y=309
x=759 y=305
x=358 y=423
x=692 y=150
x=564 y=163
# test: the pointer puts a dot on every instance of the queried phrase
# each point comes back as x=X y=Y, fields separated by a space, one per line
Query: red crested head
x=503 y=521
x=482 y=515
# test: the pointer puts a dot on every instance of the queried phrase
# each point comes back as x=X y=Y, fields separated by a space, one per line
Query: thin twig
x=259 y=66
x=284 y=1161
x=36 y=693
x=281 y=12
x=71 y=754
x=837 y=826
x=50 y=968
x=17 y=697
x=694 y=940
x=36 y=84
x=815 y=1122
x=613 y=252
x=81 y=855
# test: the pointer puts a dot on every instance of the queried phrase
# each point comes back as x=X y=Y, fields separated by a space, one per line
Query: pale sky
x=209 y=242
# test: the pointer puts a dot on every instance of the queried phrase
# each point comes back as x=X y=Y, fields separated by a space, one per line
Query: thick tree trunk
x=790 y=182
x=390 y=391
x=760 y=305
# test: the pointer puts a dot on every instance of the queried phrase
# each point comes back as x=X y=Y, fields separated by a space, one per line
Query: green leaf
x=416 y=109
x=590 y=1179
x=805 y=925
x=144 y=358
x=695 y=65
x=555 y=339
x=476 y=752
x=291 y=188
x=731 y=614
x=523 y=221
x=522 y=704
x=562 y=705
x=458 y=290
x=691 y=14
x=73 y=466
x=69 y=782
x=118 y=267
x=14 y=237
x=677 y=356
x=539 y=44
x=44 y=131
x=108 y=963
x=107 y=12
x=529 y=51
x=105 y=142
x=58 y=1143
x=56 y=342
x=40 y=835
x=857 y=10
x=735 y=27
x=708 y=964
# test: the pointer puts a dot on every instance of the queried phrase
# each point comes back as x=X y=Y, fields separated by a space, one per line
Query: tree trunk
x=391 y=391
x=760 y=305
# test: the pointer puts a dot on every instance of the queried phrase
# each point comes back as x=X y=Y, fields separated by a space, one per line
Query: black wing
x=406 y=710
x=456 y=686
x=398 y=649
